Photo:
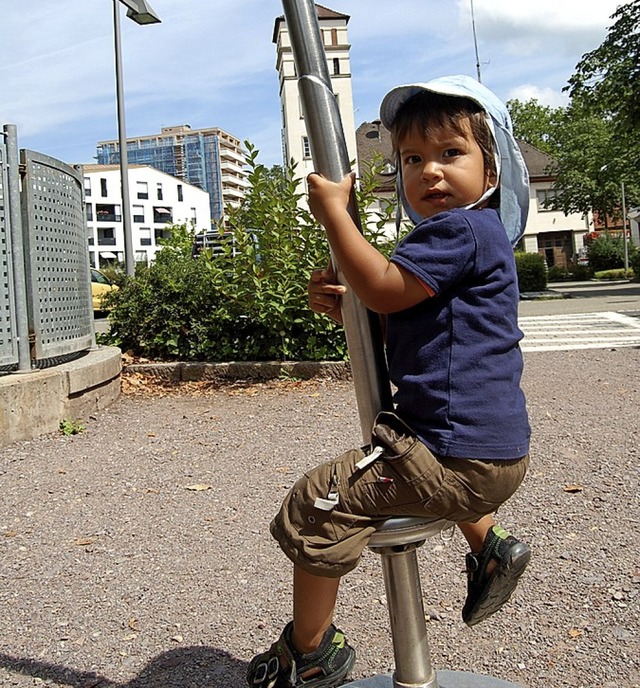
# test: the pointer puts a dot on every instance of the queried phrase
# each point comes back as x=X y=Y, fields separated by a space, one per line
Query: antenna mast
x=475 y=42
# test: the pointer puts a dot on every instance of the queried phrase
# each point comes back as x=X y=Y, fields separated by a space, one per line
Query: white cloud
x=545 y=96
x=213 y=63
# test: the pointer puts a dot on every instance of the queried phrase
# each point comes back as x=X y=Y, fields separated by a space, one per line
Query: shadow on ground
x=204 y=667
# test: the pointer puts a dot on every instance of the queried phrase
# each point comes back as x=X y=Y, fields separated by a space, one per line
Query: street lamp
x=625 y=241
x=141 y=13
x=624 y=230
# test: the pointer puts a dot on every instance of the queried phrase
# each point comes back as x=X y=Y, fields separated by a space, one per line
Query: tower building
x=295 y=142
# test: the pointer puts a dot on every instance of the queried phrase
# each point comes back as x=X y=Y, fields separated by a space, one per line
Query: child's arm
x=381 y=285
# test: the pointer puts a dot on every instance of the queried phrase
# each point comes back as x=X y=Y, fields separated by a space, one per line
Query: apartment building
x=157 y=200
x=210 y=159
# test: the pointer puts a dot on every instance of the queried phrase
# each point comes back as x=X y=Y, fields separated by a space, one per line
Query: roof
x=322 y=12
x=537 y=162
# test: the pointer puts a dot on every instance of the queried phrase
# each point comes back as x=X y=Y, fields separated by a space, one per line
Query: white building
x=554 y=234
x=295 y=142
x=156 y=199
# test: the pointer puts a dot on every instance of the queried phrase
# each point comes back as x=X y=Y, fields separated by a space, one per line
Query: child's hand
x=328 y=200
x=324 y=293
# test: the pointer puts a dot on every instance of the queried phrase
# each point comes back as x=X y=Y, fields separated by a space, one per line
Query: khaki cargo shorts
x=327 y=518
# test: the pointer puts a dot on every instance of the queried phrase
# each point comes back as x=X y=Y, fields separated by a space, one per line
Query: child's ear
x=492 y=178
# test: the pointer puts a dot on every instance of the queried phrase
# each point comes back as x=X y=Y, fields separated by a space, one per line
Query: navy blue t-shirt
x=455 y=357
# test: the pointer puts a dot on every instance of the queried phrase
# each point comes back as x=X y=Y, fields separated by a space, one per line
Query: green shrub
x=634 y=263
x=246 y=301
x=582 y=272
x=532 y=271
x=618 y=274
x=557 y=273
x=605 y=253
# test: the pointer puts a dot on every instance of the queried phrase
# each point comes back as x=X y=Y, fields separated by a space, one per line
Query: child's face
x=442 y=172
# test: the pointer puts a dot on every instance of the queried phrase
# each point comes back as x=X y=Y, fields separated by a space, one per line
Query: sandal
x=282 y=666
x=487 y=593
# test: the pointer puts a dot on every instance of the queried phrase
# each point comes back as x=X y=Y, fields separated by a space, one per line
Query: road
x=593 y=315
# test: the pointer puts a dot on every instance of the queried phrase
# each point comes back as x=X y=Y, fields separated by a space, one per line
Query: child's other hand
x=328 y=199
x=324 y=293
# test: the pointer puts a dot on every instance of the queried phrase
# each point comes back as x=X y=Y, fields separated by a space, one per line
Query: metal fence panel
x=8 y=338
x=58 y=281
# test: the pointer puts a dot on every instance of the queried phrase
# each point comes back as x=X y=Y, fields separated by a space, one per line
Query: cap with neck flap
x=513 y=179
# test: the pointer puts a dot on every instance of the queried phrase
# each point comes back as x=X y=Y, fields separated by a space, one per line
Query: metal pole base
x=446 y=679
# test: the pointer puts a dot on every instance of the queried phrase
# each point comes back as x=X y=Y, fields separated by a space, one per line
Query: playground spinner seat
x=396 y=541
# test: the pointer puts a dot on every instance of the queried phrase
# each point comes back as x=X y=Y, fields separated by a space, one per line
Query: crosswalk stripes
x=579 y=331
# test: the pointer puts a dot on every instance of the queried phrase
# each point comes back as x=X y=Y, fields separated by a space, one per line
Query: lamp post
x=141 y=13
x=625 y=241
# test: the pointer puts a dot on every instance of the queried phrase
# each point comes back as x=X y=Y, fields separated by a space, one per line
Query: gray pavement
x=137 y=555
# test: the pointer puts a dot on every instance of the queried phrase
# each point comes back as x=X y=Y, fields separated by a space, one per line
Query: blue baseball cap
x=513 y=178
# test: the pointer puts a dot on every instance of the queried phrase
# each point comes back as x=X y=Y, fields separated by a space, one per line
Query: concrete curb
x=235 y=371
x=35 y=402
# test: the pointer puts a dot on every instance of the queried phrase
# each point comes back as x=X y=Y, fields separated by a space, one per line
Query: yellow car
x=100 y=285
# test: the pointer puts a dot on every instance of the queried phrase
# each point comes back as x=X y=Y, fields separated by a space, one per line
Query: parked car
x=100 y=285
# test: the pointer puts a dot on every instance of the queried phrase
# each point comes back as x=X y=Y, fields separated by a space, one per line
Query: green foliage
x=559 y=273
x=605 y=253
x=532 y=271
x=634 y=263
x=606 y=79
x=69 y=426
x=618 y=274
x=533 y=123
x=248 y=299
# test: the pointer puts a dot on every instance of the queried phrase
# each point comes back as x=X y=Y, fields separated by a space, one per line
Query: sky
x=211 y=63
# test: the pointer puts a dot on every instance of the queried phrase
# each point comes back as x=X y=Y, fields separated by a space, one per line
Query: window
x=106 y=236
x=159 y=191
x=142 y=190
x=88 y=208
x=138 y=213
x=306 y=148
x=180 y=196
x=87 y=186
x=162 y=215
x=90 y=239
x=145 y=236
x=193 y=216
x=544 y=197
x=336 y=65
x=103 y=187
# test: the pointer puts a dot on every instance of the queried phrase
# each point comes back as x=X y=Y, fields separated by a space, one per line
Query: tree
x=579 y=143
x=534 y=123
x=606 y=79
x=605 y=85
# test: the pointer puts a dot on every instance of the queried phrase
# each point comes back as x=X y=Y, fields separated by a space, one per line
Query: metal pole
x=331 y=159
x=122 y=145
x=475 y=42
x=17 y=249
x=624 y=229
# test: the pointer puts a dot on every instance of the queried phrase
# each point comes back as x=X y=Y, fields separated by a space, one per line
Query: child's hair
x=426 y=111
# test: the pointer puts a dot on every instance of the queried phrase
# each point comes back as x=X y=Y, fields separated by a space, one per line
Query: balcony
x=108 y=212
x=162 y=215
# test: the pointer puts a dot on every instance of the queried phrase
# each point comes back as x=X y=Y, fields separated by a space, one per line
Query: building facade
x=554 y=234
x=210 y=159
x=157 y=199
x=295 y=141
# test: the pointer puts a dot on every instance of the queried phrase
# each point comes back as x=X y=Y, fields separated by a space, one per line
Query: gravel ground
x=136 y=554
